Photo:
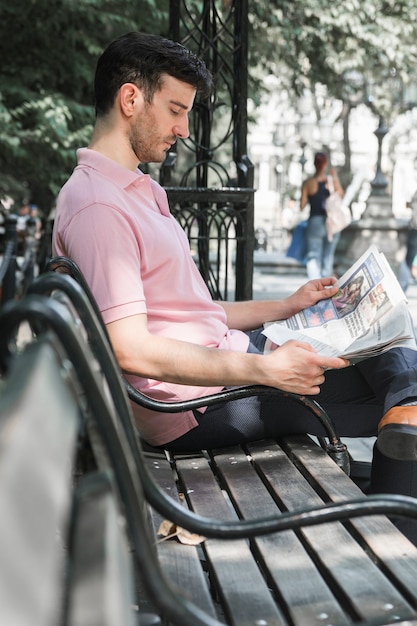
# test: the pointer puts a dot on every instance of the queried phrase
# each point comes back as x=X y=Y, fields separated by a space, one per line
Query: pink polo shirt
x=116 y=225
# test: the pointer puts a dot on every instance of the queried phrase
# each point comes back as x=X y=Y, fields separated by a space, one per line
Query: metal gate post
x=215 y=205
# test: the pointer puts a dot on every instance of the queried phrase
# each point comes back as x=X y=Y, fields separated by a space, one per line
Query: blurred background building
x=285 y=135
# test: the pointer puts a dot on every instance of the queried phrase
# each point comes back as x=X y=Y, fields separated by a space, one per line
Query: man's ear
x=130 y=97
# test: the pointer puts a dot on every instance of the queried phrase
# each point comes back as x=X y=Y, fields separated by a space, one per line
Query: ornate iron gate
x=214 y=204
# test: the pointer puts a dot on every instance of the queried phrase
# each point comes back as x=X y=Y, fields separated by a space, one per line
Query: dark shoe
x=397 y=433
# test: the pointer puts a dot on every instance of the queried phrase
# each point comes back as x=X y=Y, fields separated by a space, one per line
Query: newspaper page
x=367 y=315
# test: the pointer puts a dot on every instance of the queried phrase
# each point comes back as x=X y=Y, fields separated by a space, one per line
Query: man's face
x=156 y=126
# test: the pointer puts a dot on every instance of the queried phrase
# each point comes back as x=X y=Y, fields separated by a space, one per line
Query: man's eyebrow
x=179 y=104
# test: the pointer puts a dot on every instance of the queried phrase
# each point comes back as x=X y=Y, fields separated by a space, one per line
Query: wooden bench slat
x=294 y=575
x=101 y=591
x=180 y=563
x=397 y=554
x=241 y=587
x=354 y=576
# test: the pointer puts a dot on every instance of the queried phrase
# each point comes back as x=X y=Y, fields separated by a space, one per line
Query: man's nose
x=182 y=130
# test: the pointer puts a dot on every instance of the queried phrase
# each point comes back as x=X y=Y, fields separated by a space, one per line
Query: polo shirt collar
x=120 y=175
x=123 y=177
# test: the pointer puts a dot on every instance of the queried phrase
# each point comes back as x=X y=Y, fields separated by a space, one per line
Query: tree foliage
x=362 y=51
x=49 y=49
x=320 y=40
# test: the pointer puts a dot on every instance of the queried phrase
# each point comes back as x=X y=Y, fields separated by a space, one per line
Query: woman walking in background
x=315 y=190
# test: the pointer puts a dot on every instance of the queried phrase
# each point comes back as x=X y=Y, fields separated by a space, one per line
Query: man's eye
x=174 y=112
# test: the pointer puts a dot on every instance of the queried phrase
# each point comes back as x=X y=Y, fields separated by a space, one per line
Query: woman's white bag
x=338 y=214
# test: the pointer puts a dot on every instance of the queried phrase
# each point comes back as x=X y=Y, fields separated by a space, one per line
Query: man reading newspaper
x=170 y=338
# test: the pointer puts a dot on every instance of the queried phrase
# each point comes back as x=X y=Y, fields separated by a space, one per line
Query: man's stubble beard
x=143 y=136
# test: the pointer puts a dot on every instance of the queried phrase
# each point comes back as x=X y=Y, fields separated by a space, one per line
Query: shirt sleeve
x=102 y=243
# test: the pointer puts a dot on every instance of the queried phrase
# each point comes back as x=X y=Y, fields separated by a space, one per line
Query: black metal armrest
x=123 y=444
x=334 y=447
x=100 y=345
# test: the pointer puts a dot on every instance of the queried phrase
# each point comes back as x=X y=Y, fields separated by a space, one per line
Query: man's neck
x=114 y=147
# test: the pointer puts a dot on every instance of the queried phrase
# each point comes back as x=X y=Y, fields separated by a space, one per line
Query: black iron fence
x=209 y=176
x=219 y=226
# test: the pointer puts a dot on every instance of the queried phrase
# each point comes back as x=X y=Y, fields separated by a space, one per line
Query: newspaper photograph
x=367 y=315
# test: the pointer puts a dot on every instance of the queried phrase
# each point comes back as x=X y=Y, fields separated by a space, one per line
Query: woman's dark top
x=318 y=200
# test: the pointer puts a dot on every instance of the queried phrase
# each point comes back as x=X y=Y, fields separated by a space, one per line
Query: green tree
x=49 y=50
x=362 y=51
x=320 y=40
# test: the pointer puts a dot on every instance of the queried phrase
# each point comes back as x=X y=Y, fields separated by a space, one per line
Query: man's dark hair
x=142 y=59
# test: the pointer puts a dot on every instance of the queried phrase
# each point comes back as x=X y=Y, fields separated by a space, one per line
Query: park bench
x=328 y=563
x=65 y=557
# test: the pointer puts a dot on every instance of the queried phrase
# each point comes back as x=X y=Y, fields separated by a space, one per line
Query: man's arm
x=293 y=367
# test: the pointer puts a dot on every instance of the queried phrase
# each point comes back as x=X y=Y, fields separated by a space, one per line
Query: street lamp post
x=303 y=159
x=377 y=224
x=379 y=184
x=305 y=126
x=326 y=134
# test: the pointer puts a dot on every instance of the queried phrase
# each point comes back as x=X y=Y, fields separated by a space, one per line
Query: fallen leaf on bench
x=168 y=530
x=189 y=538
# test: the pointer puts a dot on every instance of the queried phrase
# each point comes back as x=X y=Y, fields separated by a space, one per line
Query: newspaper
x=367 y=316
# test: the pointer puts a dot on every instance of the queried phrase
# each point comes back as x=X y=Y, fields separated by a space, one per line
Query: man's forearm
x=180 y=362
x=254 y=313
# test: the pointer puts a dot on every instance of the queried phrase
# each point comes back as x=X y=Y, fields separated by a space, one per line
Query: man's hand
x=310 y=293
x=299 y=369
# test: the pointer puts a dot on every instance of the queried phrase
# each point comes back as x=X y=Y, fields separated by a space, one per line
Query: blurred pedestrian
x=22 y=218
x=34 y=215
x=408 y=268
x=261 y=239
x=315 y=190
x=21 y=225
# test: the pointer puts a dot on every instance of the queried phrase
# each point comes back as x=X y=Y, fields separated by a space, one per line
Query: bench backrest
x=65 y=557
x=38 y=430
x=110 y=446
